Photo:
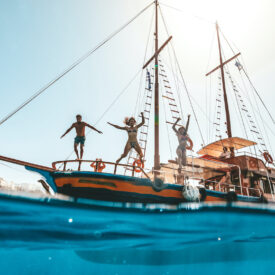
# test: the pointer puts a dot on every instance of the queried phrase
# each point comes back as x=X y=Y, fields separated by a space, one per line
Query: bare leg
x=139 y=151
x=179 y=154
x=81 y=150
x=76 y=151
x=184 y=157
x=125 y=153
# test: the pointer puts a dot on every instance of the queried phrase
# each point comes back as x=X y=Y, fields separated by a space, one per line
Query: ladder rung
x=175 y=111
x=165 y=81
x=167 y=87
x=168 y=97
x=254 y=131
x=148 y=96
x=169 y=93
x=146 y=111
x=148 y=104
x=173 y=123
x=144 y=118
x=148 y=89
x=172 y=104
x=163 y=75
x=144 y=133
x=244 y=110
x=143 y=140
x=175 y=117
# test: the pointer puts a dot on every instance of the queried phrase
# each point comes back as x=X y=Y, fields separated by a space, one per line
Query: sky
x=40 y=39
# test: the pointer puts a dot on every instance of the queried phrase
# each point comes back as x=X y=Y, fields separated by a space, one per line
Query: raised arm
x=93 y=128
x=174 y=125
x=67 y=131
x=142 y=122
x=187 y=123
x=116 y=126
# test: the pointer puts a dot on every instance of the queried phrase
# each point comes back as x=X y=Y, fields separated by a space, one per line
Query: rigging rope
x=195 y=16
x=255 y=90
x=111 y=105
x=187 y=92
x=165 y=115
x=77 y=62
x=139 y=97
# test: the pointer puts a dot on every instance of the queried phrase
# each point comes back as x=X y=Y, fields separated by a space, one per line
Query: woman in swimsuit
x=132 y=142
x=183 y=139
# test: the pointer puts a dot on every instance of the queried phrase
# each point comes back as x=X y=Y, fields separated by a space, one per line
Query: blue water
x=50 y=236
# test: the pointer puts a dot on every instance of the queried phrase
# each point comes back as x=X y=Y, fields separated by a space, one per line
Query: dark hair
x=184 y=130
x=78 y=115
x=127 y=120
x=225 y=148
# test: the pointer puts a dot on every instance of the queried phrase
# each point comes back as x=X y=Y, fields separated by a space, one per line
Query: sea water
x=53 y=236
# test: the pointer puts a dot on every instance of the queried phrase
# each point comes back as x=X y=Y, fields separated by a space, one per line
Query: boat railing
x=248 y=154
x=96 y=165
x=246 y=191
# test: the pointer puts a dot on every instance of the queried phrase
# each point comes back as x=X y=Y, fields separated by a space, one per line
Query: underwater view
x=53 y=236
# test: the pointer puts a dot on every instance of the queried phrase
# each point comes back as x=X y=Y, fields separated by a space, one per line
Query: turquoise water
x=50 y=236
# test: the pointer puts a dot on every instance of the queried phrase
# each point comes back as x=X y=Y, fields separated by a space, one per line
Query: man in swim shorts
x=79 y=126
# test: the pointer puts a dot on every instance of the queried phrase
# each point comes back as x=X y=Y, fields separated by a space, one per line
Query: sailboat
x=164 y=183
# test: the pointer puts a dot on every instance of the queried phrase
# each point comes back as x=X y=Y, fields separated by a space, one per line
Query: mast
x=227 y=113
x=228 y=122
x=156 y=157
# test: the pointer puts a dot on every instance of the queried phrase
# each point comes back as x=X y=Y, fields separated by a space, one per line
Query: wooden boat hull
x=111 y=187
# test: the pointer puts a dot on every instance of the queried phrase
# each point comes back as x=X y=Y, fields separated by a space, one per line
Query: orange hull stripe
x=122 y=186
x=210 y=198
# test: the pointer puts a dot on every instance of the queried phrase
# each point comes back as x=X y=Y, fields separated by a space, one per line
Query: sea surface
x=60 y=236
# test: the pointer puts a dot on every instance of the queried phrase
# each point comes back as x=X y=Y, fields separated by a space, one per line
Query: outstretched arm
x=142 y=122
x=67 y=131
x=93 y=128
x=116 y=126
x=187 y=123
x=174 y=125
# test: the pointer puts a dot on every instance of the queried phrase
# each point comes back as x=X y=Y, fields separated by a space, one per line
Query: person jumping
x=79 y=126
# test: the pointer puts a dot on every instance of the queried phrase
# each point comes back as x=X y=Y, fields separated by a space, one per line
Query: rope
x=183 y=81
x=165 y=115
x=237 y=100
x=195 y=16
x=77 y=62
x=139 y=98
x=111 y=105
x=255 y=90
